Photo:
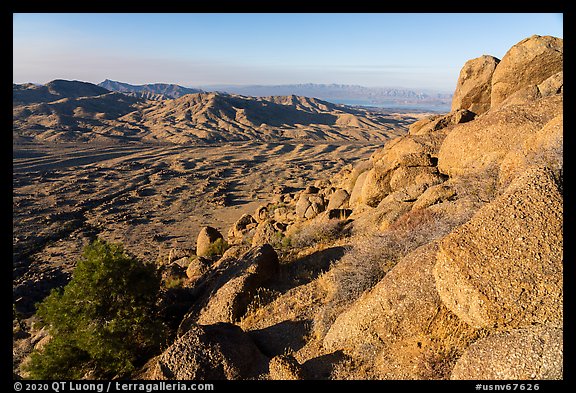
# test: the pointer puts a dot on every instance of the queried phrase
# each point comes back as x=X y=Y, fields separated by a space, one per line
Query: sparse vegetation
x=322 y=231
x=217 y=248
x=479 y=186
x=103 y=323
x=372 y=256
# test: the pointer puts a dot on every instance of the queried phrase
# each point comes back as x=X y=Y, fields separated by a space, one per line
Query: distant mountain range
x=155 y=91
x=335 y=93
x=345 y=94
x=79 y=111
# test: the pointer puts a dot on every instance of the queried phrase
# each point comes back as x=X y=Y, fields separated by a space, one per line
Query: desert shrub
x=481 y=186
x=373 y=255
x=103 y=322
x=281 y=242
x=321 y=231
x=217 y=248
x=353 y=369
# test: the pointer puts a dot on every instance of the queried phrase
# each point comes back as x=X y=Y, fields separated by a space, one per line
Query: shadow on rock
x=276 y=339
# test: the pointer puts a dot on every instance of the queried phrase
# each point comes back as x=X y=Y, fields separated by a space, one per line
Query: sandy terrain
x=149 y=197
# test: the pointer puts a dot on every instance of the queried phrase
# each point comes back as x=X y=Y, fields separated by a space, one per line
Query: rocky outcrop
x=406 y=176
x=214 y=352
x=284 y=368
x=533 y=353
x=375 y=187
x=504 y=268
x=474 y=86
x=261 y=214
x=241 y=229
x=438 y=122
x=197 y=267
x=545 y=147
x=229 y=301
x=356 y=193
x=386 y=311
x=266 y=232
x=551 y=86
x=435 y=194
x=490 y=289
x=206 y=238
x=338 y=200
x=529 y=62
x=400 y=321
x=176 y=254
x=482 y=144
x=310 y=204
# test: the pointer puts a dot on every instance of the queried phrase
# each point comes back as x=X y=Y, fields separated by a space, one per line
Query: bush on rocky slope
x=102 y=324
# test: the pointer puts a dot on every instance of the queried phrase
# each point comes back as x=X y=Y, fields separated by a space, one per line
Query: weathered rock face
x=551 y=86
x=230 y=300
x=387 y=310
x=241 y=228
x=475 y=85
x=503 y=268
x=197 y=267
x=545 y=147
x=520 y=354
x=338 y=199
x=376 y=186
x=394 y=153
x=356 y=194
x=261 y=214
x=400 y=320
x=478 y=145
x=433 y=195
x=285 y=368
x=407 y=163
x=529 y=62
x=310 y=204
x=265 y=233
x=405 y=176
x=206 y=238
x=178 y=253
x=437 y=122
x=214 y=352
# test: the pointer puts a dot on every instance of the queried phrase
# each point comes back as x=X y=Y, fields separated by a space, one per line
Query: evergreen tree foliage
x=103 y=322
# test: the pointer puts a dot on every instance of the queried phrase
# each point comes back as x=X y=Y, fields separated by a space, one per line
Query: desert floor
x=149 y=197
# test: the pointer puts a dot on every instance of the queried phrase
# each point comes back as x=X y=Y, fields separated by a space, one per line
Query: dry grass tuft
x=321 y=231
x=480 y=186
x=373 y=255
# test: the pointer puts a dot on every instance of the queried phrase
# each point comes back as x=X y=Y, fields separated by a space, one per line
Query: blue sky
x=411 y=50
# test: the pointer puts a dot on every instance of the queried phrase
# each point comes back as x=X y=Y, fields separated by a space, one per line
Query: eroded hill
x=57 y=112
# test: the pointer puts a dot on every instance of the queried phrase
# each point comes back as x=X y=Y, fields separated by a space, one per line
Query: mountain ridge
x=191 y=118
x=153 y=91
x=376 y=96
x=333 y=92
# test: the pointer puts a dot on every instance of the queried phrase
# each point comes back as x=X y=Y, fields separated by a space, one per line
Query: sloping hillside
x=224 y=117
x=71 y=110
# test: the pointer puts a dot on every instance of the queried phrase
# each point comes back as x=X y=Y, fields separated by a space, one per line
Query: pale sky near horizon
x=413 y=50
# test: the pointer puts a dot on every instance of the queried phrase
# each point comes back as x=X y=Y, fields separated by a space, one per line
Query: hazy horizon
x=408 y=51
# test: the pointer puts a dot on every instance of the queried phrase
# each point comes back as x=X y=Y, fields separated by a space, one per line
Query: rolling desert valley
x=167 y=233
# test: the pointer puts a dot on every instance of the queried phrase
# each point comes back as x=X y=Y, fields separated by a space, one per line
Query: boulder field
x=441 y=257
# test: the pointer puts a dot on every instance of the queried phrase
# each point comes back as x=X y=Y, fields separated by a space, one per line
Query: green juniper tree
x=103 y=323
